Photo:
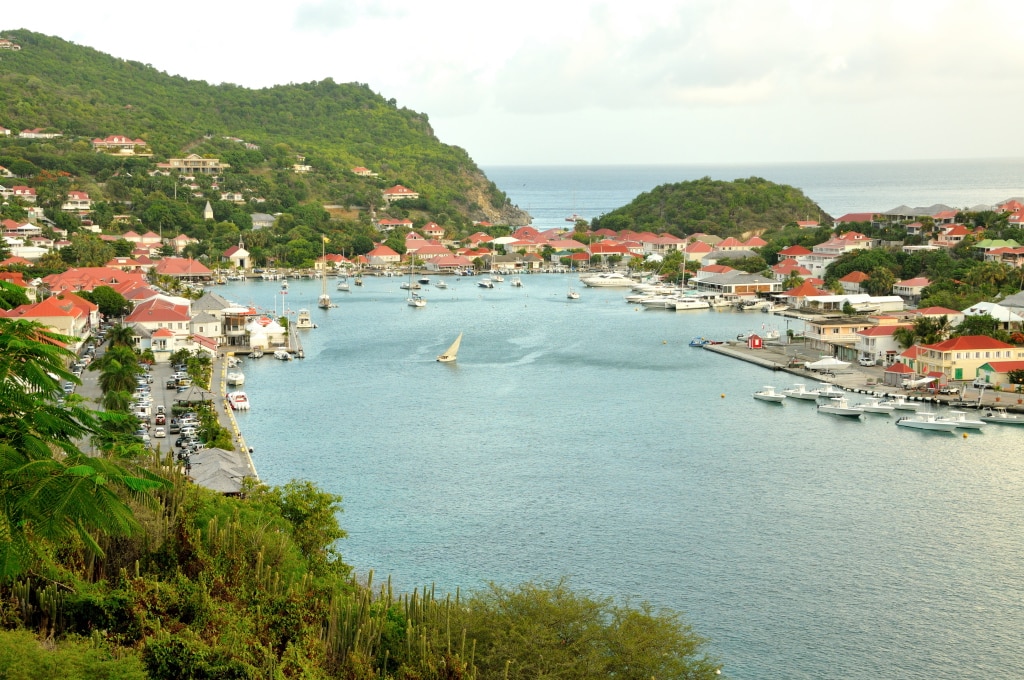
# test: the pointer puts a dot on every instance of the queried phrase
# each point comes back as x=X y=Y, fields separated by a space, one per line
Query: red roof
x=805 y=289
x=968 y=342
x=899 y=368
x=855 y=277
x=794 y=250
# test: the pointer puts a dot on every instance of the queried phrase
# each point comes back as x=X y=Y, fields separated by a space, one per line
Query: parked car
x=866 y=361
x=159 y=432
x=979 y=384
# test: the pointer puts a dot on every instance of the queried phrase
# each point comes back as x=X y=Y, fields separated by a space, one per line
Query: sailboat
x=572 y=294
x=413 y=300
x=324 y=301
x=451 y=352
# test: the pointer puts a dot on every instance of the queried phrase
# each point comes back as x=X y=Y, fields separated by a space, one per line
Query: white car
x=159 y=432
x=866 y=361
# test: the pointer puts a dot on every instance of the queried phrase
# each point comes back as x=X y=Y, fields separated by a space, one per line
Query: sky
x=571 y=82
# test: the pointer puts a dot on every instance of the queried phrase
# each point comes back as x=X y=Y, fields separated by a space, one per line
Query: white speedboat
x=239 y=401
x=608 y=280
x=768 y=393
x=516 y=282
x=926 y=420
x=901 y=403
x=682 y=304
x=962 y=421
x=441 y=284
x=1001 y=416
x=282 y=354
x=839 y=406
x=874 y=405
x=235 y=378
x=800 y=391
x=829 y=391
x=485 y=283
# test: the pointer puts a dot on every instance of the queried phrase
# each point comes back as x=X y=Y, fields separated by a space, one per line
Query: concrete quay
x=789 y=358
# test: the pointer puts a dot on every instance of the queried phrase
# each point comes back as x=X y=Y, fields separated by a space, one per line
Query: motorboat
x=702 y=341
x=926 y=420
x=607 y=280
x=840 y=406
x=1001 y=416
x=440 y=284
x=874 y=405
x=829 y=391
x=516 y=282
x=901 y=403
x=303 y=320
x=423 y=280
x=497 y=278
x=768 y=393
x=255 y=353
x=683 y=303
x=282 y=354
x=800 y=391
x=409 y=285
x=485 y=283
x=238 y=401
x=962 y=421
x=235 y=378
x=450 y=354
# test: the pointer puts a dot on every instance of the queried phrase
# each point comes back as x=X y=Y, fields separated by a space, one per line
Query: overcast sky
x=565 y=82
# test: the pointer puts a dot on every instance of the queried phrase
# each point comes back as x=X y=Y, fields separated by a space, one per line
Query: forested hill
x=83 y=93
x=743 y=206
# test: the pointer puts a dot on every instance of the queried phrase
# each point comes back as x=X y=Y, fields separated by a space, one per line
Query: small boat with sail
x=414 y=300
x=450 y=354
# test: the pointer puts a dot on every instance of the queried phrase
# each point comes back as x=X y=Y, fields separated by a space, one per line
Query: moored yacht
x=607 y=280
x=874 y=405
x=768 y=393
x=962 y=421
x=800 y=391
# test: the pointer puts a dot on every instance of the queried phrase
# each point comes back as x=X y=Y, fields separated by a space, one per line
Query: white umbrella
x=827 y=364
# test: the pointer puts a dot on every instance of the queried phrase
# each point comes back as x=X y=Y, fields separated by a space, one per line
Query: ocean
x=586 y=439
x=552 y=193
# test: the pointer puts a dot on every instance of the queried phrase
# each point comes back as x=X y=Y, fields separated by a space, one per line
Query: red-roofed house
x=878 y=342
x=789 y=267
x=120 y=144
x=388 y=224
x=798 y=296
x=696 y=251
x=795 y=250
x=452 y=263
x=910 y=289
x=238 y=256
x=896 y=373
x=731 y=243
x=961 y=358
x=996 y=373
x=185 y=269
x=851 y=283
x=429 y=251
x=65 y=314
x=952 y=315
x=604 y=250
x=432 y=230
x=807 y=224
x=90 y=278
x=398 y=192
x=161 y=312
x=363 y=172
x=952 y=235
x=27 y=194
x=755 y=242
x=854 y=217
x=382 y=256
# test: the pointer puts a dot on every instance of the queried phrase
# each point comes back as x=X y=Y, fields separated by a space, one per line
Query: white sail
x=451 y=352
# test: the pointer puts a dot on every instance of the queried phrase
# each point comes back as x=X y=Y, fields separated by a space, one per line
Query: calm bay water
x=550 y=194
x=586 y=439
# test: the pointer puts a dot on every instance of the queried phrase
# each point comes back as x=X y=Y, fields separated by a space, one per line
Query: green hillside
x=735 y=208
x=82 y=93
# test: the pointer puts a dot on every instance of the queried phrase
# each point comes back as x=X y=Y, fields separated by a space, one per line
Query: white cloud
x=672 y=80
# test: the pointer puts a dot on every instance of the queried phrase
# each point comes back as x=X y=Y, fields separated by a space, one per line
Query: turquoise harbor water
x=586 y=439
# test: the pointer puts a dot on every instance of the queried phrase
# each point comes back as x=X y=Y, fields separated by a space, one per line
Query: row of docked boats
x=833 y=401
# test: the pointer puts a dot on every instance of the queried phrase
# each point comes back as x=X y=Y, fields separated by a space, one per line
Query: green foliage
x=982 y=324
x=712 y=206
x=111 y=303
x=23 y=657
x=335 y=126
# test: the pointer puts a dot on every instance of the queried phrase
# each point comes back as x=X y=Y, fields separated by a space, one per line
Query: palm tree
x=118 y=377
x=49 y=490
x=121 y=335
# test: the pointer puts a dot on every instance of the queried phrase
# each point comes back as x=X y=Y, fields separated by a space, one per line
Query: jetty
x=791 y=358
